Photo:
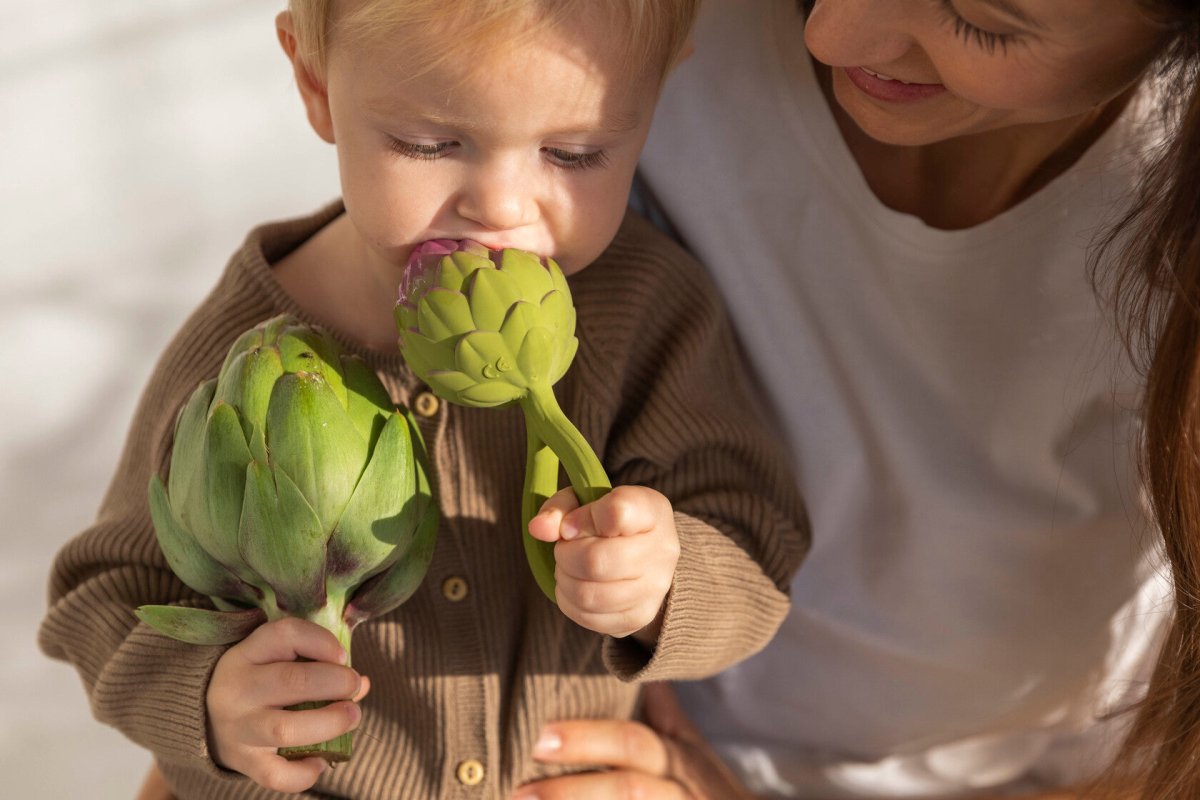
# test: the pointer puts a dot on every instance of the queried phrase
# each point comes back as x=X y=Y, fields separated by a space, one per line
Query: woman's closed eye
x=971 y=33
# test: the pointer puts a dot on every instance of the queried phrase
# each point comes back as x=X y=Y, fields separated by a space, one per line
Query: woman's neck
x=963 y=182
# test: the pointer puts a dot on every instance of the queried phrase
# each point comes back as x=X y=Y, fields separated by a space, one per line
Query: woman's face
x=914 y=72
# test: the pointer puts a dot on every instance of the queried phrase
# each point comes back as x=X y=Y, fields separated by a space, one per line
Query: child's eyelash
x=563 y=158
x=963 y=29
x=568 y=160
x=420 y=152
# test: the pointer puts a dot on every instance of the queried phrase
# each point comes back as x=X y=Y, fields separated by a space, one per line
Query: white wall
x=139 y=142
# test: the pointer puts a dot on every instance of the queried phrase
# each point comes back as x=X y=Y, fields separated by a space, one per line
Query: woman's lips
x=890 y=90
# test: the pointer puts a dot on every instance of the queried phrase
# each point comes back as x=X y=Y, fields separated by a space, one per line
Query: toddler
x=514 y=123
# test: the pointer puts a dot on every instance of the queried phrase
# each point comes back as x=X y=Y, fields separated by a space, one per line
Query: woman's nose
x=852 y=33
x=498 y=198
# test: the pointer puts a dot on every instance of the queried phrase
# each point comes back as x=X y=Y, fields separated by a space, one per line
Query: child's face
x=534 y=148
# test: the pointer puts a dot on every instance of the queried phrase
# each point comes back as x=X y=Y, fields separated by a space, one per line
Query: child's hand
x=615 y=558
x=253 y=682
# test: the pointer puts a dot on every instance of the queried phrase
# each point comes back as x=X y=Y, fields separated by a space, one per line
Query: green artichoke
x=489 y=328
x=295 y=489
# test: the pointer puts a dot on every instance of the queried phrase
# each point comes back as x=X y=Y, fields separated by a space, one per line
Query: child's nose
x=498 y=201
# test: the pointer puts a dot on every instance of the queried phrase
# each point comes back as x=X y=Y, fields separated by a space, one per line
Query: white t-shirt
x=983 y=584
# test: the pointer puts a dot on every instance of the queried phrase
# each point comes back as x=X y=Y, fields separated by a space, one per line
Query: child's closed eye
x=420 y=152
x=571 y=160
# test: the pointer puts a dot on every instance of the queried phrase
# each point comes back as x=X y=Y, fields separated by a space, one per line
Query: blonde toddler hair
x=653 y=32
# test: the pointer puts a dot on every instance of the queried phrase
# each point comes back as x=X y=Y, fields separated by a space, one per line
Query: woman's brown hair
x=1157 y=297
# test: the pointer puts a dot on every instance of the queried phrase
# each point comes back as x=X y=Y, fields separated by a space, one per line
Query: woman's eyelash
x=420 y=152
x=568 y=160
x=969 y=33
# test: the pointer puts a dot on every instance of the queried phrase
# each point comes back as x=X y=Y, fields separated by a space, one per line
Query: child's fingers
x=617 y=623
x=599 y=597
x=364 y=686
x=600 y=559
x=625 y=511
x=289 y=639
x=545 y=525
x=276 y=773
x=280 y=728
x=286 y=683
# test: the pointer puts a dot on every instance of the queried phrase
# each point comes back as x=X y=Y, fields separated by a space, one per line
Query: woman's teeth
x=883 y=77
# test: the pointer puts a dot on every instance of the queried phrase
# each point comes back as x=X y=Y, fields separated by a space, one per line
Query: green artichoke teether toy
x=295 y=489
x=488 y=328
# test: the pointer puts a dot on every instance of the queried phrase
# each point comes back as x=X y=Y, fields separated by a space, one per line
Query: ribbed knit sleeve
x=661 y=383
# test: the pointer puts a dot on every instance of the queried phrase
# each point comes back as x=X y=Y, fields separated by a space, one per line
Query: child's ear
x=312 y=90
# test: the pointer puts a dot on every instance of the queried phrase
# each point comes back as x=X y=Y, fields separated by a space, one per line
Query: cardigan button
x=454 y=588
x=426 y=404
x=470 y=772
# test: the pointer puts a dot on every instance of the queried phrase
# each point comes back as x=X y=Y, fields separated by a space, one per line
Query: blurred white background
x=139 y=142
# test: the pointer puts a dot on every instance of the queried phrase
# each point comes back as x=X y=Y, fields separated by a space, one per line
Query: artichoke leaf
x=394 y=586
x=442 y=313
x=521 y=317
x=369 y=404
x=275 y=326
x=484 y=356
x=558 y=313
x=559 y=279
x=304 y=350
x=379 y=517
x=566 y=354
x=491 y=294
x=226 y=457
x=186 y=480
x=405 y=315
x=249 y=389
x=490 y=394
x=186 y=558
x=311 y=438
x=455 y=270
x=527 y=271
x=247 y=341
x=281 y=538
x=200 y=625
x=424 y=354
x=448 y=382
x=535 y=359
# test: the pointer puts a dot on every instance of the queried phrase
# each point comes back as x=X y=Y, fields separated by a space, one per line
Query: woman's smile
x=888 y=89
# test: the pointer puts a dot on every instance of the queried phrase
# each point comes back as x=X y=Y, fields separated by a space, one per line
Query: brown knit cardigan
x=657 y=387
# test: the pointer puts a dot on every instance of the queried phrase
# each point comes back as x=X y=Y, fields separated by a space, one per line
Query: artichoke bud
x=487 y=328
x=294 y=484
x=482 y=327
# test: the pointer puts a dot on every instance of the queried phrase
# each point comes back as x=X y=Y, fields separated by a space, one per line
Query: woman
x=909 y=204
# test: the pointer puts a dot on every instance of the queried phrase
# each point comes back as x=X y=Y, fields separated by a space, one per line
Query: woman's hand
x=665 y=758
x=253 y=683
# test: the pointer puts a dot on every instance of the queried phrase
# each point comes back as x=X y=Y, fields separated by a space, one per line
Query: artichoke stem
x=545 y=419
x=338 y=749
x=541 y=481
